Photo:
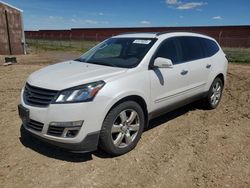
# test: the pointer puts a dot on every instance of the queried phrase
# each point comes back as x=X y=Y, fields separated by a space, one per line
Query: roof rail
x=127 y=33
x=163 y=32
x=137 y=33
x=172 y=31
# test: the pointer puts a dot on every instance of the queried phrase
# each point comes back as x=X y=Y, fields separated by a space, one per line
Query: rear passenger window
x=210 y=47
x=168 y=50
x=191 y=48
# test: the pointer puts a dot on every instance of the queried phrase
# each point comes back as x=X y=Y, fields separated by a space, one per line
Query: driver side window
x=169 y=50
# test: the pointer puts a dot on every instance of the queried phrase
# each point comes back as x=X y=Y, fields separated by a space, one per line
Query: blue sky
x=62 y=14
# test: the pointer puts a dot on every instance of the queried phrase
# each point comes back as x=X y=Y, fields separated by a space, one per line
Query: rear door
x=199 y=66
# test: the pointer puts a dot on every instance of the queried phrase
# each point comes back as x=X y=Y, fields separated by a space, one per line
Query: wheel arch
x=136 y=98
x=221 y=76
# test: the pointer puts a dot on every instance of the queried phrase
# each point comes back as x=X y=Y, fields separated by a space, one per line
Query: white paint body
x=121 y=83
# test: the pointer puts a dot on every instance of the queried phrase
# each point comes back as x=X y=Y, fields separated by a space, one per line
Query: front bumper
x=88 y=144
x=91 y=113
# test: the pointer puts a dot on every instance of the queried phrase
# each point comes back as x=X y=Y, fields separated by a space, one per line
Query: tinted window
x=210 y=47
x=191 y=48
x=168 y=50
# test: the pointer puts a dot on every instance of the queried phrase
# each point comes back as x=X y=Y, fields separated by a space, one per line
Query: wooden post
x=220 y=37
x=8 y=31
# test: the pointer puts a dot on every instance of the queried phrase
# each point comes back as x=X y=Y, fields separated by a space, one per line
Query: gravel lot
x=189 y=147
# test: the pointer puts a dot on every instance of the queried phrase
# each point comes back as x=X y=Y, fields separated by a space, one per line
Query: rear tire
x=122 y=128
x=213 y=97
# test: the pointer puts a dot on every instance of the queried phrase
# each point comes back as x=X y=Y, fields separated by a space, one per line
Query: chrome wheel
x=125 y=128
x=216 y=94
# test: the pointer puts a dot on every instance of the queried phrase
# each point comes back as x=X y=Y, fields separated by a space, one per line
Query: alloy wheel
x=125 y=128
x=216 y=94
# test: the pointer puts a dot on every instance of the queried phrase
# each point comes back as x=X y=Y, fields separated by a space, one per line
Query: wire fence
x=234 y=54
x=86 y=41
x=71 y=45
x=235 y=42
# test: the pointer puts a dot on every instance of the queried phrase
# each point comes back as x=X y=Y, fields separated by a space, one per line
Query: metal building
x=12 y=40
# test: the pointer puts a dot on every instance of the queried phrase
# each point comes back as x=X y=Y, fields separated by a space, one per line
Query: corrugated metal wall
x=227 y=36
x=11 y=31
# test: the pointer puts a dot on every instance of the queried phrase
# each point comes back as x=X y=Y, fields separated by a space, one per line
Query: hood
x=71 y=73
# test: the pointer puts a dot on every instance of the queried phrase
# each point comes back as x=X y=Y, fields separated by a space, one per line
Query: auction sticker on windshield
x=141 y=41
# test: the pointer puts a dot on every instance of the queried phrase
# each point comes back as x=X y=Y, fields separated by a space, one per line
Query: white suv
x=107 y=96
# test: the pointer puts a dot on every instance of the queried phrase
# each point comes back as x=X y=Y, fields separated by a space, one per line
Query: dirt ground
x=189 y=147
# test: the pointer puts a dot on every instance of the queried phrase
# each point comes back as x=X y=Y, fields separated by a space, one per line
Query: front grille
x=55 y=130
x=36 y=96
x=34 y=125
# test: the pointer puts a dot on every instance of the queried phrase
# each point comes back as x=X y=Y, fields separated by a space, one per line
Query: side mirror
x=160 y=62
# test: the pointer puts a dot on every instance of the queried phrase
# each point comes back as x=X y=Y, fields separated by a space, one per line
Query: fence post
x=52 y=39
x=96 y=37
x=36 y=45
x=70 y=36
x=43 y=38
x=220 y=37
x=60 y=39
x=35 y=39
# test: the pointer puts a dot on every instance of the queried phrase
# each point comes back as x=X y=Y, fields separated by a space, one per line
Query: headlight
x=82 y=93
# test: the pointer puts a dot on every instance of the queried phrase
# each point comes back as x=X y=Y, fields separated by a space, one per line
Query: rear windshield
x=119 y=52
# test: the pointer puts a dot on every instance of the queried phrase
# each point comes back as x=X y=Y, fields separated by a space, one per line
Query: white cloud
x=73 y=20
x=217 y=18
x=145 y=22
x=55 y=18
x=98 y=14
x=173 y=2
x=192 y=5
x=104 y=22
x=90 y=21
x=184 y=6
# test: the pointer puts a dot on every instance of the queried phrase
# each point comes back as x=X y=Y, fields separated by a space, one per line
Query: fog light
x=69 y=129
x=71 y=133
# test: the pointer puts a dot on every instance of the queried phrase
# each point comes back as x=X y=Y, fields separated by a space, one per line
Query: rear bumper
x=88 y=144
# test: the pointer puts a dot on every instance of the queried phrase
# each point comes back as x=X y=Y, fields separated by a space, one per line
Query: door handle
x=184 y=72
x=208 y=66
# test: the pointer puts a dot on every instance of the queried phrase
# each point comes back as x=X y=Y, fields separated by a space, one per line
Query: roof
x=159 y=34
x=1 y=2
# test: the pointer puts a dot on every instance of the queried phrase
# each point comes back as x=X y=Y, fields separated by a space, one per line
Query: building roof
x=1 y=2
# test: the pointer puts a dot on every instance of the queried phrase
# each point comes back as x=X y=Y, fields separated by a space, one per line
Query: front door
x=168 y=85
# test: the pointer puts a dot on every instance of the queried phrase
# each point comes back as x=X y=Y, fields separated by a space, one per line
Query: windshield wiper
x=79 y=59
x=101 y=63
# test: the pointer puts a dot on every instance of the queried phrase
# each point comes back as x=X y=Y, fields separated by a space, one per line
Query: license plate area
x=24 y=114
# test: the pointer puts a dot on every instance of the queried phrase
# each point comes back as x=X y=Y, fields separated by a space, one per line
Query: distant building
x=12 y=40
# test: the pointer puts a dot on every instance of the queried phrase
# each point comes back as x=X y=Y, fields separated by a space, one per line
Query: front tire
x=122 y=128
x=214 y=94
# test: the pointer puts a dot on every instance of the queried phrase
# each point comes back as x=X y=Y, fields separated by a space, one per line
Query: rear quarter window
x=210 y=47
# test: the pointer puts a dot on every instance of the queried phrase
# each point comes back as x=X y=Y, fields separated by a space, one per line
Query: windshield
x=119 y=52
